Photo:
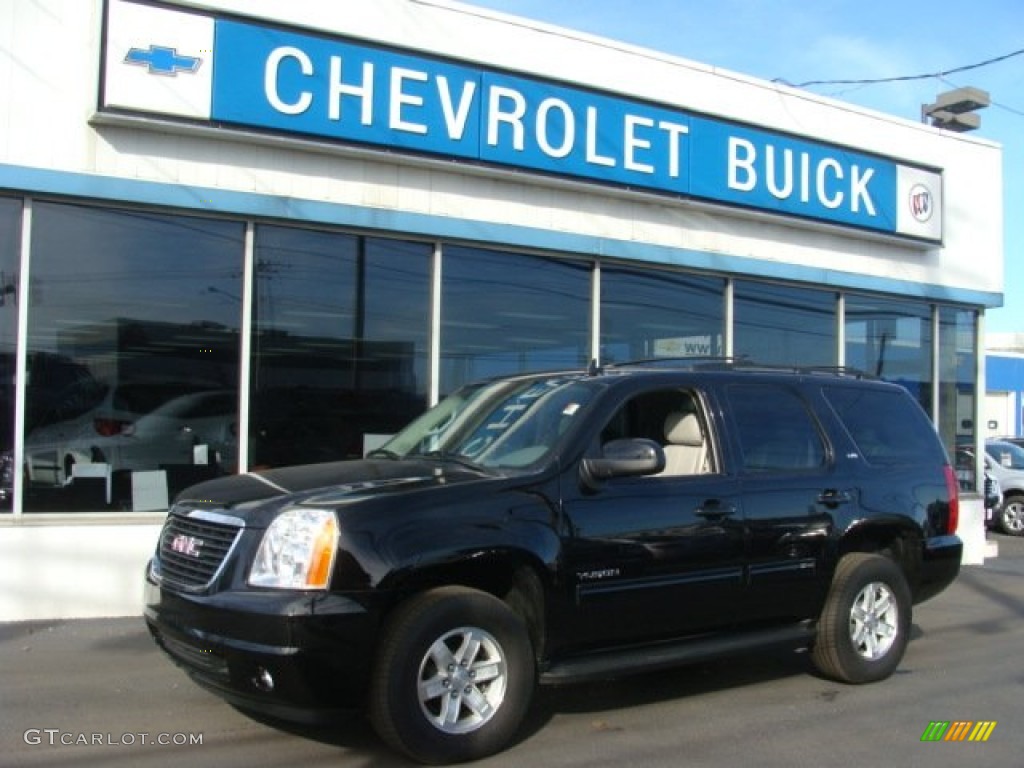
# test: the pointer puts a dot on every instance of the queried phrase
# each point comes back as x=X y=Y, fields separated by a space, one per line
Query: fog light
x=264 y=681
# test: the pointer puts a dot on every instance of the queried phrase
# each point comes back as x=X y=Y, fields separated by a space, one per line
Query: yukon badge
x=602 y=573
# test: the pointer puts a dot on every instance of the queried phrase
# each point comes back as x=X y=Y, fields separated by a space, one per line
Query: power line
x=902 y=78
x=995 y=103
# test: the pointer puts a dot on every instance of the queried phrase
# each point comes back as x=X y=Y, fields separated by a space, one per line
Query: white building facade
x=241 y=233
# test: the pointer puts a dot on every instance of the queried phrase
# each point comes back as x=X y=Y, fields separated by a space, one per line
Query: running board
x=621 y=661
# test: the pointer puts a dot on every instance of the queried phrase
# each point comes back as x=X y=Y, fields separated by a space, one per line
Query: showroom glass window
x=133 y=356
x=10 y=236
x=647 y=314
x=503 y=313
x=957 y=385
x=341 y=343
x=784 y=325
x=891 y=339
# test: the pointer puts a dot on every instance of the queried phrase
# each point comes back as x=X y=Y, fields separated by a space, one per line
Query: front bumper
x=940 y=565
x=301 y=656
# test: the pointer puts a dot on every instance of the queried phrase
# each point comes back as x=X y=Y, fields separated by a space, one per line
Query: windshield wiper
x=455 y=458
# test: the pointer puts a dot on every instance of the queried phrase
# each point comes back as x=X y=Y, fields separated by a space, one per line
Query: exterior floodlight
x=955 y=110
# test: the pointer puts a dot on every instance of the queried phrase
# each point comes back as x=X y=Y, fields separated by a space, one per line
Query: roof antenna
x=593 y=369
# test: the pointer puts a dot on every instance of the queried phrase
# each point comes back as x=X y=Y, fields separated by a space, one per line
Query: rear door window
x=775 y=430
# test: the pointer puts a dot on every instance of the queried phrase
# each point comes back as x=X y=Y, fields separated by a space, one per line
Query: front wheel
x=1011 y=516
x=453 y=678
x=865 y=625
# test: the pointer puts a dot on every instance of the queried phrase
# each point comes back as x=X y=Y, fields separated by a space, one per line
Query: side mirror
x=632 y=457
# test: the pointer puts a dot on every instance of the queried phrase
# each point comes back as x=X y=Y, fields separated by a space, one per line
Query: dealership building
x=1003 y=415
x=238 y=234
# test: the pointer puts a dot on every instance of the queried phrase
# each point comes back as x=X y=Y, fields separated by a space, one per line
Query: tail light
x=953 y=491
x=112 y=427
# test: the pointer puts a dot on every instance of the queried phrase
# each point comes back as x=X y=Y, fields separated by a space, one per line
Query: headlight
x=297 y=551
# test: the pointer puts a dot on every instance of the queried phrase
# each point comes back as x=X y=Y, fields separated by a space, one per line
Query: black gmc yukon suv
x=559 y=527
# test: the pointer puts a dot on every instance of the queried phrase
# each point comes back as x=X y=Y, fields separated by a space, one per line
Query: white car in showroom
x=123 y=432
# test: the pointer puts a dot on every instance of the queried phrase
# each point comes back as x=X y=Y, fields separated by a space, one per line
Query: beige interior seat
x=685 y=449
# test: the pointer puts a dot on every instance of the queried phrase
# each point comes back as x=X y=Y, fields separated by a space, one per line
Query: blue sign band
x=341 y=90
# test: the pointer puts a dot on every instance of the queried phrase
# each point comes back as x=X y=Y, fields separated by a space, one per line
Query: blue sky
x=798 y=41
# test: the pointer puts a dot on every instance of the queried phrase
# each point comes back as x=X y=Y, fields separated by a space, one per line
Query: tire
x=1011 y=516
x=453 y=678
x=865 y=624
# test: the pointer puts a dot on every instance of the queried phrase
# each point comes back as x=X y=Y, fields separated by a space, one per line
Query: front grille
x=193 y=549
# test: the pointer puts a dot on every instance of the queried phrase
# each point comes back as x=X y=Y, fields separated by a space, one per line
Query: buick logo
x=186 y=545
x=922 y=203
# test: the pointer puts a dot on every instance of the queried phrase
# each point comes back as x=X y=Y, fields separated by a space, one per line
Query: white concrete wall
x=971 y=530
x=63 y=569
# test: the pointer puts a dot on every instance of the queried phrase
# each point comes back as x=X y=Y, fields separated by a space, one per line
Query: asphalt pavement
x=98 y=693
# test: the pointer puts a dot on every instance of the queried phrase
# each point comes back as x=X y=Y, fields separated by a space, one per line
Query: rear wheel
x=1011 y=516
x=453 y=678
x=865 y=625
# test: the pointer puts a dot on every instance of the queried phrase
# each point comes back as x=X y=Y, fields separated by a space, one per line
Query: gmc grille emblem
x=186 y=545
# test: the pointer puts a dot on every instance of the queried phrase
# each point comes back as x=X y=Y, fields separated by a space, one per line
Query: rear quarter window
x=887 y=426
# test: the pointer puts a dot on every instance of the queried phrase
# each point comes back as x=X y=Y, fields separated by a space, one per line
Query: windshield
x=1009 y=455
x=496 y=424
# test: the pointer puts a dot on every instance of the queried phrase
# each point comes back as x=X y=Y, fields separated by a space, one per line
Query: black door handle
x=833 y=498
x=714 y=509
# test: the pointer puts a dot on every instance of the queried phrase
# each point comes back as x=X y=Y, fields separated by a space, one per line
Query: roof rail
x=681 y=362
x=837 y=370
x=711 y=362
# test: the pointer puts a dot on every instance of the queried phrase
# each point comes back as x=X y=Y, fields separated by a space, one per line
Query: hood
x=328 y=484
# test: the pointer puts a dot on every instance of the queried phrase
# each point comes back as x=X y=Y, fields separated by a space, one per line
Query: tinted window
x=958 y=330
x=503 y=313
x=775 y=430
x=127 y=310
x=893 y=341
x=784 y=324
x=341 y=343
x=65 y=402
x=886 y=425
x=10 y=233
x=647 y=314
x=209 y=405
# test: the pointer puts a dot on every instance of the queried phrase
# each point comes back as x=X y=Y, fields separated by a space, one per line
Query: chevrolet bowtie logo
x=162 y=60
